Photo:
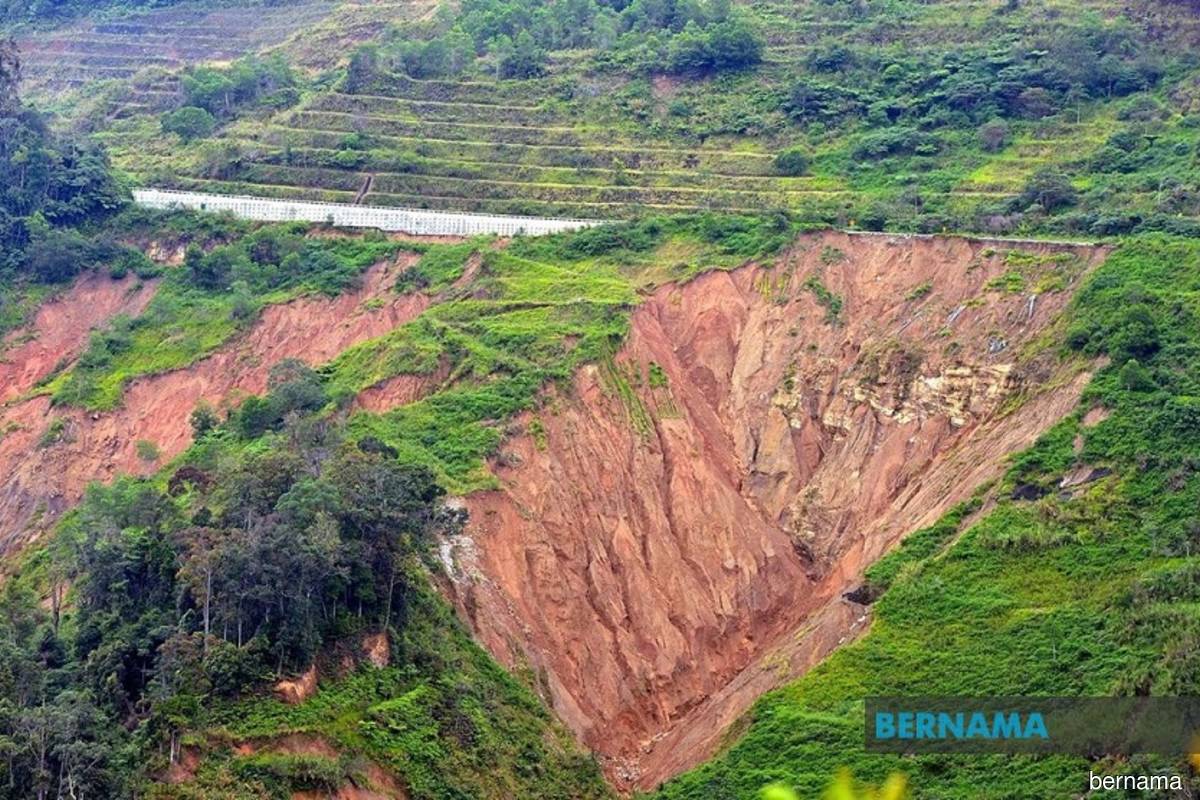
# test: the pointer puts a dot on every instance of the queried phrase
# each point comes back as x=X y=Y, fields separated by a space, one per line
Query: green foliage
x=832 y=303
x=293 y=772
x=147 y=450
x=55 y=432
x=792 y=162
x=215 y=295
x=1079 y=593
x=224 y=91
x=439 y=267
x=50 y=181
x=189 y=123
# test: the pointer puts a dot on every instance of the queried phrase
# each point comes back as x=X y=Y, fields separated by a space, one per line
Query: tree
x=521 y=57
x=204 y=420
x=1052 y=191
x=1136 y=378
x=792 y=162
x=362 y=69
x=10 y=77
x=189 y=123
x=993 y=135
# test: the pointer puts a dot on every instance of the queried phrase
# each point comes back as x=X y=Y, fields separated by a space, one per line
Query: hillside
x=988 y=117
x=880 y=380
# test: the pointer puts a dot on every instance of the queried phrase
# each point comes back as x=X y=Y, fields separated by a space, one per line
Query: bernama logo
x=931 y=725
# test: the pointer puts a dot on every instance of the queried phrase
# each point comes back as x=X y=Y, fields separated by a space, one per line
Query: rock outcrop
x=676 y=533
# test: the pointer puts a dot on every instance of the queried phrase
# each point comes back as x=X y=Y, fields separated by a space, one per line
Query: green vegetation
x=294 y=526
x=439 y=267
x=532 y=314
x=51 y=183
x=832 y=303
x=175 y=600
x=290 y=529
x=1080 y=592
x=213 y=297
x=1023 y=118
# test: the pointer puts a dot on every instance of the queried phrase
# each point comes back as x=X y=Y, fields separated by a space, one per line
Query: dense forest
x=51 y=182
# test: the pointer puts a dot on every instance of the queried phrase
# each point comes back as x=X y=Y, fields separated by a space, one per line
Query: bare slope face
x=45 y=474
x=673 y=537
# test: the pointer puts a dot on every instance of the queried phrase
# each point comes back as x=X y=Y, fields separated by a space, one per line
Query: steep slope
x=59 y=330
x=49 y=454
x=1076 y=576
x=763 y=435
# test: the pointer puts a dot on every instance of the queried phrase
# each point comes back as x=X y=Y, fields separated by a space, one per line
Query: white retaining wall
x=403 y=220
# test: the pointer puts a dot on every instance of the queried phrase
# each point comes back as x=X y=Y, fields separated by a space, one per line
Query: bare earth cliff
x=677 y=536
x=674 y=533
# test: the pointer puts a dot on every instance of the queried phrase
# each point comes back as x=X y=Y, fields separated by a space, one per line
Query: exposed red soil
x=661 y=561
x=41 y=482
x=295 y=691
x=660 y=581
x=59 y=331
x=399 y=390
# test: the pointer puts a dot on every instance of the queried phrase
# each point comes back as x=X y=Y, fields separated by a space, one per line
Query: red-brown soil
x=679 y=540
x=659 y=577
x=41 y=482
x=59 y=331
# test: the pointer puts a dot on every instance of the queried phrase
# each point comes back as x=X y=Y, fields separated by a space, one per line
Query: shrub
x=1052 y=191
x=189 y=123
x=1136 y=378
x=147 y=450
x=993 y=136
x=204 y=420
x=792 y=162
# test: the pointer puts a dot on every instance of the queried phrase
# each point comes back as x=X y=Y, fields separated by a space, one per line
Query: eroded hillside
x=674 y=525
x=667 y=527
x=49 y=454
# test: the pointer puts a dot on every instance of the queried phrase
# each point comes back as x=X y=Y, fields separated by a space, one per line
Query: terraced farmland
x=167 y=38
x=316 y=31
x=485 y=146
x=586 y=140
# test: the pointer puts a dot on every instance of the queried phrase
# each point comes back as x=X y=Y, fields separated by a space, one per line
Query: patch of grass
x=201 y=306
x=831 y=302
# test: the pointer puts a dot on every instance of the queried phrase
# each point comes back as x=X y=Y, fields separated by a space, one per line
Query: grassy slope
x=1090 y=593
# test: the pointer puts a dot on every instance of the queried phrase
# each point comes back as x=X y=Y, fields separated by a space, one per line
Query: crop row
x=392 y=160
x=431 y=110
x=507 y=92
x=393 y=183
x=481 y=150
x=574 y=137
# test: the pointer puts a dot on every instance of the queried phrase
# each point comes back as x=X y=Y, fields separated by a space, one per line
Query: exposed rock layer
x=687 y=507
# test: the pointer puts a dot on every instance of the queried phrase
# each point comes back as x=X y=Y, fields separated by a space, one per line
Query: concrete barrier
x=401 y=220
